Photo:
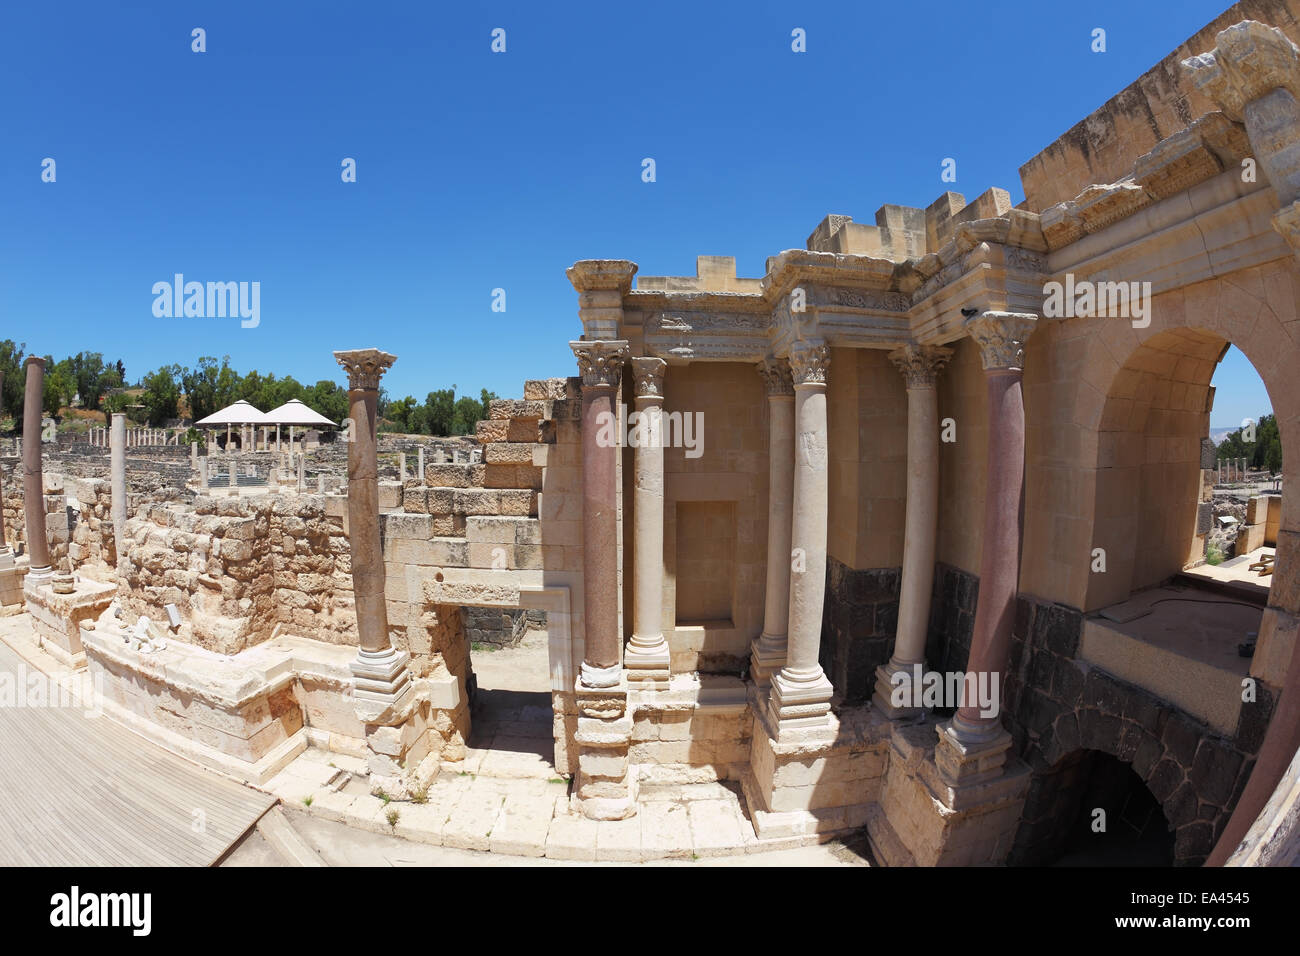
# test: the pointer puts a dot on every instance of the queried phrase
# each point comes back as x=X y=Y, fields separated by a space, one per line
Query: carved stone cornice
x=1249 y=59
x=600 y=362
x=1001 y=337
x=365 y=367
x=648 y=377
x=809 y=362
x=777 y=378
x=920 y=364
x=592 y=274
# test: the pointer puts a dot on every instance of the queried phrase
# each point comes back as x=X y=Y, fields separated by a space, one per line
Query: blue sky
x=478 y=171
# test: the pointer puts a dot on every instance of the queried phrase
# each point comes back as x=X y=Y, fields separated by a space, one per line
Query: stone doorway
x=511 y=727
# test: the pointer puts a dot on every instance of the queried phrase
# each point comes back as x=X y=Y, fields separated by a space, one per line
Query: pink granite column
x=6 y=552
x=600 y=363
x=801 y=693
x=38 y=545
x=975 y=738
x=380 y=669
x=647 y=658
x=767 y=656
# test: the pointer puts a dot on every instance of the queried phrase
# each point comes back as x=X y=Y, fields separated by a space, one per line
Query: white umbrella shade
x=240 y=413
x=294 y=412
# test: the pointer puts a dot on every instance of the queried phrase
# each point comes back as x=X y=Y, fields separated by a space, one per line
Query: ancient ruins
x=906 y=466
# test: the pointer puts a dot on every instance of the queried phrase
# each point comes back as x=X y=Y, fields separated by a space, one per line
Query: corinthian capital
x=1249 y=59
x=600 y=362
x=648 y=377
x=776 y=376
x=365 y=367
x=1001 y=337
x=809 y=362
x=920 y=364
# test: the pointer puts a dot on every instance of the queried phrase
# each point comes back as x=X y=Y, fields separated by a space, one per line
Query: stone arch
x=1194 y=774
x=1083 y=366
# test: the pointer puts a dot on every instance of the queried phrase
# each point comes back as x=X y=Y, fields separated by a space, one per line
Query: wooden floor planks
x=83 y=791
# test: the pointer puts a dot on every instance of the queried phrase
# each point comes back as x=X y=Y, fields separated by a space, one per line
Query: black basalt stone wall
x=859 y=621
x=1057 y=706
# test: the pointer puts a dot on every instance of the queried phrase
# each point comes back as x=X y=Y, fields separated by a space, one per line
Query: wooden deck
x=82 y=791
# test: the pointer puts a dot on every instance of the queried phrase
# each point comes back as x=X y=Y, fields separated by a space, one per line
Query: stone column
x=380 y=669
x=117 y=482
x=767 y=656
x=973 y=746
x=601 y=365
x=203 y=473
x=920 y=364
x=801 y=693
x=277 y=438
x=6 y=552
x=420 y=464
x=38 y=545
x=647 y=657
x=401 y=466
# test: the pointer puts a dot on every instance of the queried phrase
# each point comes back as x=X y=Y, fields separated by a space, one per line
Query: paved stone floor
x=506 y=797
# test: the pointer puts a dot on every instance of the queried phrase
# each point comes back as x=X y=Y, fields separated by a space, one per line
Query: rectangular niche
x=706 y=561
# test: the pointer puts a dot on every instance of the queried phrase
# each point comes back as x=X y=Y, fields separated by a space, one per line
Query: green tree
x=440 y=408
x=11 y=367
x=162 y=394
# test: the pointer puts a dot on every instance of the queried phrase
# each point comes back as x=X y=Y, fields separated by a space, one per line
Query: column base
x=800 y=708
x=40 y=575
x=969 y=754
x=6 y=557
x=766 y=658
x=382 y=685
x=648 y=665
x=899 y=699
x=598 y=678
x=605 y=786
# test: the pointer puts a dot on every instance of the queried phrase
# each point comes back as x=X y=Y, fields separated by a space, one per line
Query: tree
x=11 y=367
x=162 y=394
x=441 y=411
x=59 y=386
x=328 y=398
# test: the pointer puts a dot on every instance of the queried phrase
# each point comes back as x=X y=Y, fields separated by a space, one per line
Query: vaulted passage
x=1093 y=810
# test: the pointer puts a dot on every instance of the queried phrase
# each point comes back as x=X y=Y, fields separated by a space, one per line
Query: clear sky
x=479 y=171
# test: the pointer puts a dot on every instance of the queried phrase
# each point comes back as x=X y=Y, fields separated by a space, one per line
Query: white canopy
x=240 y=413
x=294 y=412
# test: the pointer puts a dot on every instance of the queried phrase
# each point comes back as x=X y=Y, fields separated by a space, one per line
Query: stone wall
x=1056 y=705
x=859 y=620
x=494 y=626
x=238 y=567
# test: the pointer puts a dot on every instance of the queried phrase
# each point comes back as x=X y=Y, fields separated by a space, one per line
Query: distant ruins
x=906 y=467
